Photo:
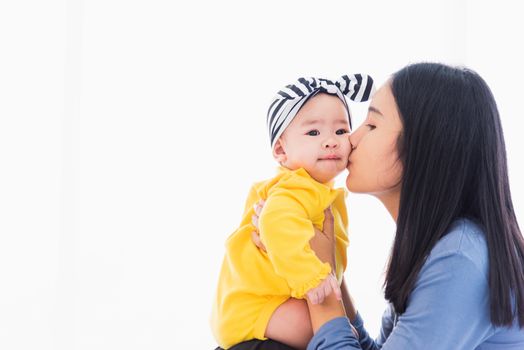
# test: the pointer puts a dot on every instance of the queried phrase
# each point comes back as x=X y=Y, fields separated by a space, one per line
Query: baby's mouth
x=330 y=157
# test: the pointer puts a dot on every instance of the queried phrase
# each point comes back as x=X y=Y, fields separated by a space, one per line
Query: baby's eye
x=313 y=133
x=371 y=126
x=342 y=131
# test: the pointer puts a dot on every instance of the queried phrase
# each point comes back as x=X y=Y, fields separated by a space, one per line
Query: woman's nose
x=354 y=137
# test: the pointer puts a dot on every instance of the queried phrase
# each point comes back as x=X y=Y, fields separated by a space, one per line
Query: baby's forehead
x=324 y=106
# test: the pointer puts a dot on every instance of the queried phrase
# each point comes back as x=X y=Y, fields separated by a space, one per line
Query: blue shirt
x=447 y=309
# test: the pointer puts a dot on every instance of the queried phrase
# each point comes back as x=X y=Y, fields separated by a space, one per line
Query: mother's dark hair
x=454 y=165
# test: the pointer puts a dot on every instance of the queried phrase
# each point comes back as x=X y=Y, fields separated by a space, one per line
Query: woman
x=432 y=151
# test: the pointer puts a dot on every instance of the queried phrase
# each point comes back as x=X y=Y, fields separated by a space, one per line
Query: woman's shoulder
x=466 y=239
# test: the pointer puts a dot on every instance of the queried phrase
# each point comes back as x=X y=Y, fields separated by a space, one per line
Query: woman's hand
x=254 y=220
x=322 y=243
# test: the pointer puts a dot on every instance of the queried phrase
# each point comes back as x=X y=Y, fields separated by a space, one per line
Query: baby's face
x=317 y=139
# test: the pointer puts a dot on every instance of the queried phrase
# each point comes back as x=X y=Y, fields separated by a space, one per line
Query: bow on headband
x=288 y=101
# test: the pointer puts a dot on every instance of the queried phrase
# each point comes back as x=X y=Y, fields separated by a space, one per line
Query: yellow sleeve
x=285 y=229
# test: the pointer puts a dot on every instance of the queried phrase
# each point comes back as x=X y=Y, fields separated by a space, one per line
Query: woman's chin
x=348 y=184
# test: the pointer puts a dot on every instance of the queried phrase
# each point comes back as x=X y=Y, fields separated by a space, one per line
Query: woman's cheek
x=390 y=173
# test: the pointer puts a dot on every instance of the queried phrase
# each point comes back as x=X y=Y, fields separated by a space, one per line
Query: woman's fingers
x=329 y=231
x=256 y=239
x=329 y=220
x=258 y=207
x=254 y=221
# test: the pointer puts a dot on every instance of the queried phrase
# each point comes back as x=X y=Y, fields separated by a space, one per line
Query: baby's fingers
x=312 y=296
x=336 y=288
x=320 y=295
x=327 y=287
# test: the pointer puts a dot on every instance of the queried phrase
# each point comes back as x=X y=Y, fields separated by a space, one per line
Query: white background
x=131 y=131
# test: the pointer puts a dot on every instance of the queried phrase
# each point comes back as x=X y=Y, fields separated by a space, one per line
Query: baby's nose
x=330 y=144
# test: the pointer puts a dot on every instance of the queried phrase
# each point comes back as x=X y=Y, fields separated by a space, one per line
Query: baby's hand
x=328 y=285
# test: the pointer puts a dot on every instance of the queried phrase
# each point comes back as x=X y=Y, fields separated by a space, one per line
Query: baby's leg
x=290 y=324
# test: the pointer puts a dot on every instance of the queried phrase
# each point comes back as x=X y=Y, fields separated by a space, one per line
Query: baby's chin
x=326 y=176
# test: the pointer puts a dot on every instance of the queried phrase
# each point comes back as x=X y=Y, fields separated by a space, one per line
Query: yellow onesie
x=254 y=283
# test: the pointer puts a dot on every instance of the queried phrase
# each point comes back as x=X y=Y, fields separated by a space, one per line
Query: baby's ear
x=278 y=152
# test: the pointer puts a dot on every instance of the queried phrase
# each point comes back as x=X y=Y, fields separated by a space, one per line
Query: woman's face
x=374 y=167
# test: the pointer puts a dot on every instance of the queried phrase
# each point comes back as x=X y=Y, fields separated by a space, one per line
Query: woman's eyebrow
x=373 y=109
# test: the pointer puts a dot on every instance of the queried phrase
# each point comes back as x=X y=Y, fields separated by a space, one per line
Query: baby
x=258 y=289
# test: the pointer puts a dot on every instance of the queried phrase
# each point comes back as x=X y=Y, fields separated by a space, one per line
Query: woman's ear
x=278 y=152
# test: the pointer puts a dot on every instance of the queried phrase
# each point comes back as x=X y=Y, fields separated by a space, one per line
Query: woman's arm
x=330 y=325
x=330 y=309
x=448 y=309
x=330 y=320
x=323 y=244
x=349 y=304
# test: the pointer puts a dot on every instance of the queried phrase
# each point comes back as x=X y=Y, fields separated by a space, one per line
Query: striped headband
x=288 y=101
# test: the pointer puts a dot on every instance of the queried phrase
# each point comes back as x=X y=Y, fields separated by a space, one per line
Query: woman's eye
x=371 y=126
x=341 y=131
x=313 y=133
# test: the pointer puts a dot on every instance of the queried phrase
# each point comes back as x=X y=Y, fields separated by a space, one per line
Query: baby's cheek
x=346 y=149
